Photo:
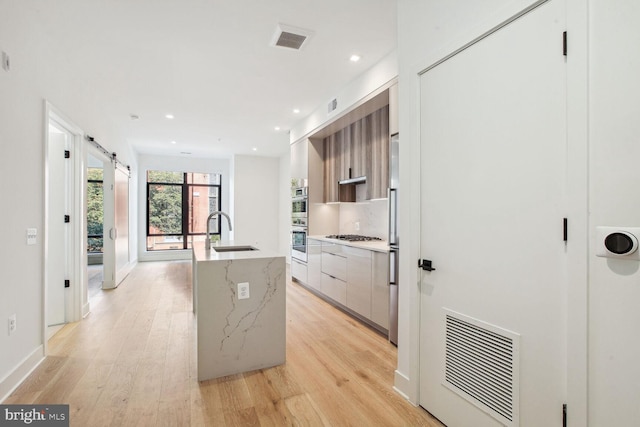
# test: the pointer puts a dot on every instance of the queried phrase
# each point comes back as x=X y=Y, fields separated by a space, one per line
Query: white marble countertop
x=372 y=245
x=201 y=254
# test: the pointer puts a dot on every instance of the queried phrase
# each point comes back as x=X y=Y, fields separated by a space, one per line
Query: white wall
x=348 y=97
x=149 y=162
x=603 y=93
x=257 y=193
x=38 y=72
x=614 y=199
x=284 y=223
x=427 y=32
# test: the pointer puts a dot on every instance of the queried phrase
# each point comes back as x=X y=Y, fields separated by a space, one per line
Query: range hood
x=356 y=180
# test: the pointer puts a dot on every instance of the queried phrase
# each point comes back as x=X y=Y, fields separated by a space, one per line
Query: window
x=178 y=204
x=95 y=210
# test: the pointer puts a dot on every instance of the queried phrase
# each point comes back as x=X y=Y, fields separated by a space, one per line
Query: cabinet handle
x=426 y=265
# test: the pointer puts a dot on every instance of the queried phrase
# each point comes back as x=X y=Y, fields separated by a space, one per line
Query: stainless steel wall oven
x=299 y=213
x=299 y=243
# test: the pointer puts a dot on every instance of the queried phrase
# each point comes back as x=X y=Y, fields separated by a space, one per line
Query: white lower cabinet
x=359 y=280
x=380 y=289
x=354 y=277
x=314 y=264
x=334 y=288
x=299 y=270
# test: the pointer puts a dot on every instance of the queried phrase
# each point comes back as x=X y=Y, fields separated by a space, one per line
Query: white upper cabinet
x=300 y=160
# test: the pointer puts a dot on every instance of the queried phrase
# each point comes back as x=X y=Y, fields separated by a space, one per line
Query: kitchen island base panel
x=239 y=335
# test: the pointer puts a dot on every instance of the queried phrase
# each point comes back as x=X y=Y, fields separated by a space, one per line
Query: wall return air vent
x=289 y=37
x=482 y=366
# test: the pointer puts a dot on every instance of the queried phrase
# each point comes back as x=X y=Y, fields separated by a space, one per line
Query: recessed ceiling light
x=354 y=58
x=173 y=142
x=254 y=149
x=296 y=110
x=277 y=128
x=169 y=116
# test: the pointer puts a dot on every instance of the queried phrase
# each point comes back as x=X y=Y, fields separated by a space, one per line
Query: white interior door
x=116 y=226
x=58 y=232
x=493 y=154
x=121 y=224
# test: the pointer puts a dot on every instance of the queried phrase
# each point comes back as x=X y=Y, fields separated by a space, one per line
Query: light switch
x=243 y=290
x=32 y=234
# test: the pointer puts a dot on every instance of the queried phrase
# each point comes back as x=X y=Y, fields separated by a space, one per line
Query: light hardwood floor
x=132 y=361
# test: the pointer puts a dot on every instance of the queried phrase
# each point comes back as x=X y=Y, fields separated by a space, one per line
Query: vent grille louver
x=481 y=365
x=290 y=40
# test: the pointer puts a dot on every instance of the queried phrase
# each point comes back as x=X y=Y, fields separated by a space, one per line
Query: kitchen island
x=239 y=303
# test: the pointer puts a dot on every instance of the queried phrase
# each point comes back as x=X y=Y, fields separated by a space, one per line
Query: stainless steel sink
x=233 y=248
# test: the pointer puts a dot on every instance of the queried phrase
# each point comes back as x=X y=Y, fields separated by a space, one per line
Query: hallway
x=132 y=362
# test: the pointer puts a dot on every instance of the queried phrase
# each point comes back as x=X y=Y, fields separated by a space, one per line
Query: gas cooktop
x=352 y=237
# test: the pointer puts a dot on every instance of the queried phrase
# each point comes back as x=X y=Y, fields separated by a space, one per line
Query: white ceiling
x=209 y=63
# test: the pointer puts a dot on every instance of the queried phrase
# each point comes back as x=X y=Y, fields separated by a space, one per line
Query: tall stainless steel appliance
x=299 y=216
x=394 y=237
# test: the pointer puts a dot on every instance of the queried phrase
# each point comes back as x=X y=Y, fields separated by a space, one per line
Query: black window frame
x=97 y=236
x=185 y=209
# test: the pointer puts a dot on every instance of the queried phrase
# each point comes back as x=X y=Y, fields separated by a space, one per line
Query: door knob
x=425 y=264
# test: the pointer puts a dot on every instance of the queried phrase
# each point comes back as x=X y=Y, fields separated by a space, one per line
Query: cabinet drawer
x=334 y=265
x=334 y=288
x=299 y=270
x=314 y=264
x=334 y=248
x=359 y=281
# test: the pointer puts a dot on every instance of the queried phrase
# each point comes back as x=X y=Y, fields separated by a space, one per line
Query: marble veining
x=249 y=319
x=237 y=335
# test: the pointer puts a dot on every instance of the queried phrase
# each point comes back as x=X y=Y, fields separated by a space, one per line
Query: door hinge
x=564 y=43
x=564 y=415
x=67 y=283
x=67 y=218
x=565 y=229
x=67 y=154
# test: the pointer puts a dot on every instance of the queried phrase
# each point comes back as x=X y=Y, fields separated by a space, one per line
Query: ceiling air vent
x=289 y=37
x=333 y=104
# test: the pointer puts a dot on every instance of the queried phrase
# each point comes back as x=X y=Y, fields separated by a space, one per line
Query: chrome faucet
x=208 y=241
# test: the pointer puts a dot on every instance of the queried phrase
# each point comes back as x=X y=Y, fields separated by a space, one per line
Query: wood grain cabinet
x=360 y=149
x=377 y=125
x=337 y=157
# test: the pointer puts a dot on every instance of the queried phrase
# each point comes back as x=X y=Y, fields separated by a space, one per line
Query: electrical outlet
x=243 y=290
x=357 y=225
x=12 y=324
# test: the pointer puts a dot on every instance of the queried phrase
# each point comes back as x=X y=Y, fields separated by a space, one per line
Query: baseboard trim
x=400 y=384
x=86 y=309
x=175 y=255
x=21 y=372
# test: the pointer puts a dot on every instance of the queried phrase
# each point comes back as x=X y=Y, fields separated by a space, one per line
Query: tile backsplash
x=365 y=217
